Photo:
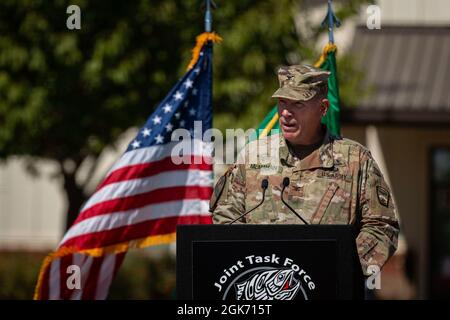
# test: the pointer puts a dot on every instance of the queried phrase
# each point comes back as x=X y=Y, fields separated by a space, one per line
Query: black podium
x=268 y=262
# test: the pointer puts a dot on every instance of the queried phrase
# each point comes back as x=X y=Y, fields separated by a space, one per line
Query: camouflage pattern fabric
x=300 y=82
x=339 y=183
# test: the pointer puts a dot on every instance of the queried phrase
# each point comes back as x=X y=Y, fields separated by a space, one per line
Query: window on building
x=440 y=223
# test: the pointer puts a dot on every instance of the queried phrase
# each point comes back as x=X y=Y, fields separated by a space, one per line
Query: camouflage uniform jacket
x=339 y=183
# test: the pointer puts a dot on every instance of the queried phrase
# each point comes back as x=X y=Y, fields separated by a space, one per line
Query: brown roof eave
x=395 y=117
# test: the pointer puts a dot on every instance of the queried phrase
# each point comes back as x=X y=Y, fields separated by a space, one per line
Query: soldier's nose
x=286 y=114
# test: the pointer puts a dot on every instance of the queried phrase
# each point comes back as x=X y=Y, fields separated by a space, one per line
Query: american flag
x=145 y=194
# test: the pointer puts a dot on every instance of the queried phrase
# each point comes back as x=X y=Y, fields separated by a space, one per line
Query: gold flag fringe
x=201 y=40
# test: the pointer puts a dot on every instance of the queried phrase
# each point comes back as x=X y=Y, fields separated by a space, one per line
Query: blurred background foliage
x=143 y=275
x=67 y=94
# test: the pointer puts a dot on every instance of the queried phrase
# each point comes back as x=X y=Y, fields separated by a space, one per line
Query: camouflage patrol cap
x=300 y=82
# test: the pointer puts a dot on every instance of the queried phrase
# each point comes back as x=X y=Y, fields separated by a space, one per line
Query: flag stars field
x=178 y=96
x=188 y=83
x=157 y=120
x=159 y=139
x=136 y=144
x=169 y=127
x=167 y=108
x=146 y=132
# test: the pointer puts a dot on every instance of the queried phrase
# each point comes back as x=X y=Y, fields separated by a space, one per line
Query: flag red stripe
x=45 y=289
x=143 y=170
x=144 y=199
x=90 y=286
x=132 y=232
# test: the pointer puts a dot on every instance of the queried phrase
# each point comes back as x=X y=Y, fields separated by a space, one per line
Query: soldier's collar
x=320 y=158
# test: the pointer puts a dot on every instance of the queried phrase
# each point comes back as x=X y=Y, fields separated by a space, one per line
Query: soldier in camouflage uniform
x=332 y=180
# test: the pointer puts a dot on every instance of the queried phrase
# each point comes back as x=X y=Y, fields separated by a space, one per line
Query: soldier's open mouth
x=288 y=127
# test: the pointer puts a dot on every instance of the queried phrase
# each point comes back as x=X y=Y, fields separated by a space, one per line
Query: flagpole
x=208 y=15
x=330 y=21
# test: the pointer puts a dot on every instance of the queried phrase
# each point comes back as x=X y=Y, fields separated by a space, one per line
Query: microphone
x=264 y=185
x=285 y=184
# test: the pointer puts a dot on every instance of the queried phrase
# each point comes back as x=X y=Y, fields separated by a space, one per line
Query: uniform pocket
x=323 y=204
x=365 y=247
x=333 y=207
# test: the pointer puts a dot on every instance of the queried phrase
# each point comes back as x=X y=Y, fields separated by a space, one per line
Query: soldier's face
x=300 y=120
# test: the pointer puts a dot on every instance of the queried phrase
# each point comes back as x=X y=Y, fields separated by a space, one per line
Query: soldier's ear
x=324 y=105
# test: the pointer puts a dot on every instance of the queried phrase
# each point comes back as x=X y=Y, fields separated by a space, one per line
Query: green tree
x=259 y=36
x=67 y=94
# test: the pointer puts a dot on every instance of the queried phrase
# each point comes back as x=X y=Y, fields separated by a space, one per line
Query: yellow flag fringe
x=201 y=40
x=98 y=252
x=330 y=47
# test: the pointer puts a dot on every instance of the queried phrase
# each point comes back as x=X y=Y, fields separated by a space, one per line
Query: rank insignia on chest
x=334 y=175
x=265 y=169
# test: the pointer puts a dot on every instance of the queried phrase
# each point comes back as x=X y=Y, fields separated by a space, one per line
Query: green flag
x=269 y=123
x=327 y=62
